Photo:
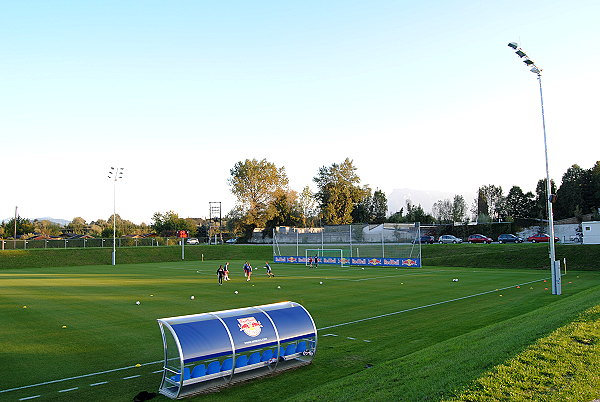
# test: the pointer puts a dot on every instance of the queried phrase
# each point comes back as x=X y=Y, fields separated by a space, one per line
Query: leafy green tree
x=459 y=209
x=576 y=192
x=595 y=187
x=24 y=226
x=77 y=225
x=339 y=192
x=363 y=208
x=168 y=223
x=490 y=202
x=518 y=204
x=284 y=211
x=256 y=185
x=415 y=213
x=308 y=205
x=442 y=211
x=47 y=227
x=380 y=206
x=541 y=198
x=397 y=217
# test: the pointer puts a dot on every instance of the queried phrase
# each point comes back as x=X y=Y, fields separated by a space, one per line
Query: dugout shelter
x=205 y=352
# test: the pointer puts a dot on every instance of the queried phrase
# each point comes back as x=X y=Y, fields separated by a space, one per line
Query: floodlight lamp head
x=536 y=70
x=521 y=53
x=513 y=45
x=528 y=62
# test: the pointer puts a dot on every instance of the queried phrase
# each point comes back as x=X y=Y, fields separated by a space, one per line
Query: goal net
x=389 y=244
x=325 y=256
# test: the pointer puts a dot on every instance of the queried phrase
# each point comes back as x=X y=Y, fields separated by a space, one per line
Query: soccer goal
x=325 y=256
x=387 y=244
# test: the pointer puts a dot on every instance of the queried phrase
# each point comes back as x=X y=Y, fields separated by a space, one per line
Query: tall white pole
x=554 y=265
x=114 y=252
x=556 y=279
x=115 y=174
x=15 y=234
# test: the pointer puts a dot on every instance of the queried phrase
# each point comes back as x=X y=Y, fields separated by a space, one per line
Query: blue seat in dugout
x=214 y=367
x=245 y=340
x=266 y=356
x=301 y=347
x=290 y=349
x=241 y=361
x=186 y=375
x=254 y=358
x=227 y=364
x=199 y=371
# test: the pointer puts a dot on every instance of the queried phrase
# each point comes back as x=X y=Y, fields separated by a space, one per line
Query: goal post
x=325 y=256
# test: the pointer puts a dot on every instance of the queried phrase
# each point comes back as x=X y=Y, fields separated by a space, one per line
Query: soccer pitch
x=76 y=333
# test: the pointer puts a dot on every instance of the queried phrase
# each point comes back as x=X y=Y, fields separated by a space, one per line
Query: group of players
x=223 y=272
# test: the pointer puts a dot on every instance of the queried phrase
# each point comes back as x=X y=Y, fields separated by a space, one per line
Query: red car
x=479 y=238
x=541 y=238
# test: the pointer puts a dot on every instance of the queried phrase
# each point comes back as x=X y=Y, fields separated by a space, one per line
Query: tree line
x=264 y=200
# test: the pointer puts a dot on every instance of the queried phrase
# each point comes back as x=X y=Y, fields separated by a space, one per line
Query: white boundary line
x=318 y=329
x=77 y=377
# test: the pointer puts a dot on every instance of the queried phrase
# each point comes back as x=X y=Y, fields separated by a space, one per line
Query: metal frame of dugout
x=205 y=352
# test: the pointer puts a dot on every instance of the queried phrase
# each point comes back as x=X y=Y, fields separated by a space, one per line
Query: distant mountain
x=398 y=197
x=62 y=222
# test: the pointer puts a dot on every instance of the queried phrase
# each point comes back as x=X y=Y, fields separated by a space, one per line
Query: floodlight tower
x=554 y=265
x=114 y=175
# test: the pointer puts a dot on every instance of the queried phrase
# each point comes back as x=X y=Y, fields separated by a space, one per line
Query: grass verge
x=442 y=370
x=562 y=366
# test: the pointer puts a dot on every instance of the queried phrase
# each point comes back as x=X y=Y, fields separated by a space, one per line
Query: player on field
x=249 y=272
x=220 y=274
x=269 y=271
x=226 y=271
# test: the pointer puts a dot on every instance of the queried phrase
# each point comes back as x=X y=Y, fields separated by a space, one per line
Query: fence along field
x=87 y=243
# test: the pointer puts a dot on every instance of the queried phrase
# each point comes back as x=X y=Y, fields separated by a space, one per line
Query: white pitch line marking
x=366 y=340
x=157 y=371
x=77 y=377
x=330 y=335
x=351 y=338
x=29 y=397
x=131 y=376
x=68 y=389
x=98 y=383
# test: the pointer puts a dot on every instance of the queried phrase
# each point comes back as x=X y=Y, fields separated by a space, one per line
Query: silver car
x=449 y=239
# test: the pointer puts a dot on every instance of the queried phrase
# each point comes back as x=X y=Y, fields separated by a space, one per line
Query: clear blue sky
x=423 y=95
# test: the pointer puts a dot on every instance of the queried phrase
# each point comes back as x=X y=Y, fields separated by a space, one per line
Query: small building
x=591 y=232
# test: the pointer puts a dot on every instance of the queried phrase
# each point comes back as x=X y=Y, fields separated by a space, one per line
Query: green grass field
x=75 y=333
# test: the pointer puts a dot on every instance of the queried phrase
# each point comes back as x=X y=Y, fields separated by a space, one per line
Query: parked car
x=541 y=238
x=231 y=241
x=425 y=239
x=192 y=240
x=479 y=238
x=509 y=238
x=449 y=239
